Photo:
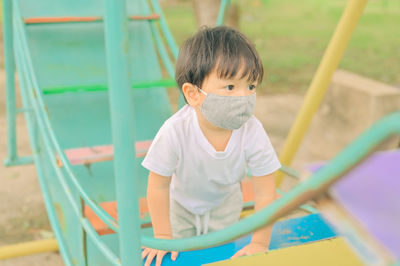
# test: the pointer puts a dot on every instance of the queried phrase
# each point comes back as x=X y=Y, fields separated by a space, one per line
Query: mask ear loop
x=205 y=93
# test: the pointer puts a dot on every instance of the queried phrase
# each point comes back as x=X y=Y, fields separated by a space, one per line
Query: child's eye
x=229 y=87
x=252 y=87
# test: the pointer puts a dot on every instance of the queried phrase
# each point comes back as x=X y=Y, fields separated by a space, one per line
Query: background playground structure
x=256 y=4
x=291 y=41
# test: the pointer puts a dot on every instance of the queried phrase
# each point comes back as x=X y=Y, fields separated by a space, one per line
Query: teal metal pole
x=22 y=51
x=122 y=122
x=164 y=27
x=221 y=12
x=45 y=190
x=162 y=51
x=38 y=111
x=9 y=66
x=11 y=105
x=171 y=44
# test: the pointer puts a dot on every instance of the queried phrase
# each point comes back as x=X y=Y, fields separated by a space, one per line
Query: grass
x=291 y=37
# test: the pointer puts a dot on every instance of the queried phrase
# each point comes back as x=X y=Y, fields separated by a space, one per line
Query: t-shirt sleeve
x=162 y=156
x=260 y=155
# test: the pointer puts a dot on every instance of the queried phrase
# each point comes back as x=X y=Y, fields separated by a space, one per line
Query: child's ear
x=192 y=94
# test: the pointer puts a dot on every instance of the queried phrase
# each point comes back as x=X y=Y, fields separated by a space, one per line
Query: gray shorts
x=186 y=224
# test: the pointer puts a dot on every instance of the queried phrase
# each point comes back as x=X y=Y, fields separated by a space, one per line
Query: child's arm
x=158 y=202
x=264 y=194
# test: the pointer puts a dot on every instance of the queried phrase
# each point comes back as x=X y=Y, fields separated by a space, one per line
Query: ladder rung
x=42 y=20
x=137 y=85
x=89 y=155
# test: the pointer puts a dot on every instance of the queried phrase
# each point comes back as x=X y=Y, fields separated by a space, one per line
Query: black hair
x=223 y=48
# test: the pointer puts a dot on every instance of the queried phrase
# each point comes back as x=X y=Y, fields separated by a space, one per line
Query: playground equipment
x=320 y=82
x=74 y=114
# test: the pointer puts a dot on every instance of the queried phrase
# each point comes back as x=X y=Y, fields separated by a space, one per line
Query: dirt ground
x=23 y=216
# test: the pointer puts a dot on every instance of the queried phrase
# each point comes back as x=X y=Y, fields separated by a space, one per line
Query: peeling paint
x=286 y=232
x=88 y=167
x=298 y=237
x=60 y=216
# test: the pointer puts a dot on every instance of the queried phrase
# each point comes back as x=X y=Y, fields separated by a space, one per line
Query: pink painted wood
x=88 y=155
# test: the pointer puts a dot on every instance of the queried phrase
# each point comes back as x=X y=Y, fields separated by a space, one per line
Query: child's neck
x=216 y=136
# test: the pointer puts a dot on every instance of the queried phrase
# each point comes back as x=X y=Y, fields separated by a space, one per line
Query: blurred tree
x=232 y=15
x=206 y=12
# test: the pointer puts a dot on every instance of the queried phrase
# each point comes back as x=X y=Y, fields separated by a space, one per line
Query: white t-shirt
x=201 y=176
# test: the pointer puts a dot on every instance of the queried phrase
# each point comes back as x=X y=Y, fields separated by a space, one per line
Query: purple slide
x=371 y=194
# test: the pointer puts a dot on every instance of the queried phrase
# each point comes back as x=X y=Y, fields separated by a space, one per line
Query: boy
x=199 y=155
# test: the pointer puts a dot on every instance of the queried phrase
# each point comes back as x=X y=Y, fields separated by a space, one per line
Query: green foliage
x=291 y=37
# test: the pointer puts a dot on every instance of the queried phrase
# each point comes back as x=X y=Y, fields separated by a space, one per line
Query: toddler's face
x=235 y=86
x=226 y=103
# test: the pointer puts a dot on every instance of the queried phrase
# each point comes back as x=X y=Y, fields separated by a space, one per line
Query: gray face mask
x=229 y=112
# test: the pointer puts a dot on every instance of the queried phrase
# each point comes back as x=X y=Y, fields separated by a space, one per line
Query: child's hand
x=151 y=253
x=250 y=249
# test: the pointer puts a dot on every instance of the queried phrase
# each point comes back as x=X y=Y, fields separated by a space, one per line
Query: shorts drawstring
x=206 y=220
x=198 y=225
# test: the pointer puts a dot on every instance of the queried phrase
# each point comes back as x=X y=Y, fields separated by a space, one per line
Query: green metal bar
x=11 y=106
x=23 y=70
x=285 y=169
x=18 y=161
x=123 y=129
x=309 y=189
x=100 y=243
x=304 y=207
x=162 y=51
x=51 y=213
x=170 y=41
x=138 y=85
x=164 y=28
x=9 y=66
x=94 y=20
x=19 y=28
x=308 y=208
x=221 y=12
x=47 y=144
x=43 y=185
x=290 y=171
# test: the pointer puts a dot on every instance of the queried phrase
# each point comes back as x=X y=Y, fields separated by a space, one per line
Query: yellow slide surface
x=327 y=252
